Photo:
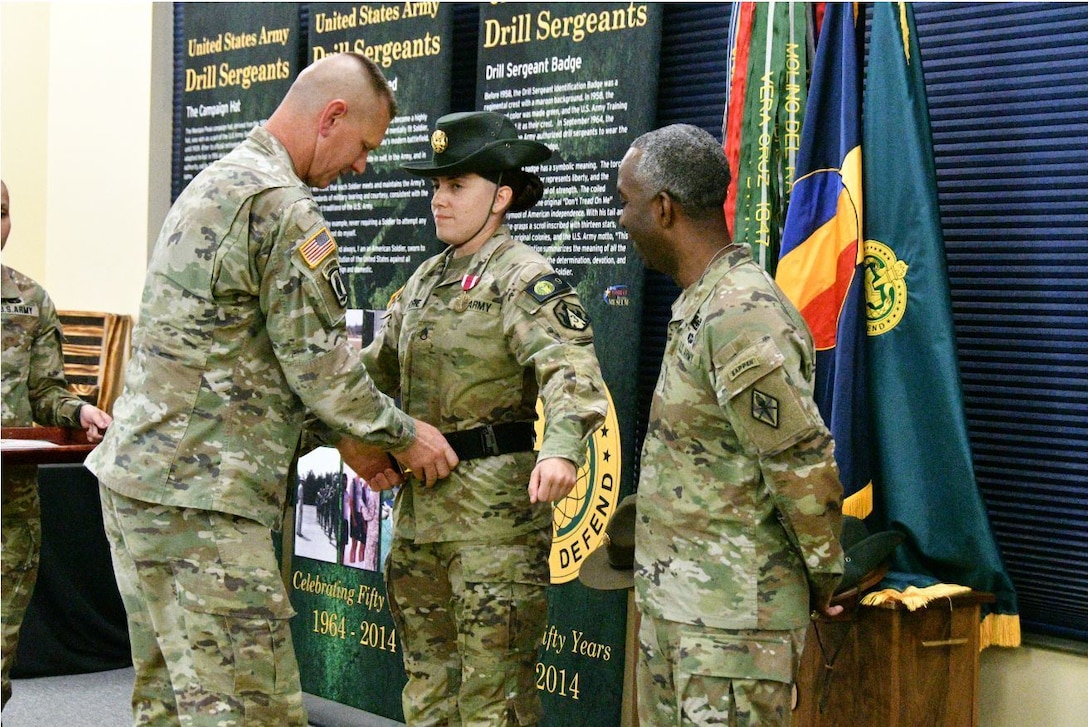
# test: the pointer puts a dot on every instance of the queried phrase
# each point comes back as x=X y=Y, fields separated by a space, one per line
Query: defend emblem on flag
x=885 y=288
x=317 y=248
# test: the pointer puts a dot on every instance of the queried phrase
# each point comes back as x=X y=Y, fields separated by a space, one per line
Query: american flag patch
x=317 y=248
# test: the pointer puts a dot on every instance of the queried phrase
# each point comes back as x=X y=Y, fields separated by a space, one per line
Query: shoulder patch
x=317 y=248
x=571 y=316
x=546 y=287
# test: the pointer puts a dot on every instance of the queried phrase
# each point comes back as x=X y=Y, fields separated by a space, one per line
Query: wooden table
x=58 y=445
x=892 y=667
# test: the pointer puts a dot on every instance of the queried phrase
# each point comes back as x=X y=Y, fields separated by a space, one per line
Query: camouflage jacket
x=474 y=340
x=240 y=335
x=739 y=500
x=34 y=387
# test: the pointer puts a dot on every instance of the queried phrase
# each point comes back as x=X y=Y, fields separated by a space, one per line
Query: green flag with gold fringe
x=924 y=476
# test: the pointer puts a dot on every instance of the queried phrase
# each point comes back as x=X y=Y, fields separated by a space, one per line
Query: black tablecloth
x=76 y=621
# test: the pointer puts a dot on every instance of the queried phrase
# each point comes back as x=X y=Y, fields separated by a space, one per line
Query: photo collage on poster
x=338 y=518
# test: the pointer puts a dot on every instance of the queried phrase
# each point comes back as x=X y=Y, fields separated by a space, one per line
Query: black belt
x=492 y=439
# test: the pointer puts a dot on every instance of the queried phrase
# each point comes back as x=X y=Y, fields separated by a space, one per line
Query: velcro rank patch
x=317 y=248
x=546 y=287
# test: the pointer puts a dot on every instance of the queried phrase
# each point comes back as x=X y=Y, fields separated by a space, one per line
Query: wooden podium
x=891 y=667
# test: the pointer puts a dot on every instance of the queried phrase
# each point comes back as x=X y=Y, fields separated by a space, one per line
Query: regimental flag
x=924 y=483
x=761 y=131
x=820 y=264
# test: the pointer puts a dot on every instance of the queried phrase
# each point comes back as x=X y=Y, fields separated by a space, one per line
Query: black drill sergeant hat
x=865 y=558
x=484 y=143
x=480 y=142
x=611 y=566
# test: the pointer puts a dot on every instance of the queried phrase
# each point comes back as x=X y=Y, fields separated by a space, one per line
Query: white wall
x=1032 y=687
x=85 y=115
x=76 y=127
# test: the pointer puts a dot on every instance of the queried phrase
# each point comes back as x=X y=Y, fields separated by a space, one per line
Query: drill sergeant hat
x=865 y=557
x=611 y=566
x=480 y=142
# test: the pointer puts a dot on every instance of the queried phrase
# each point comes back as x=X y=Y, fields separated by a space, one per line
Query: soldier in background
x=478 y=332
x=240 y=338
x=739 y=500
x=34 y=390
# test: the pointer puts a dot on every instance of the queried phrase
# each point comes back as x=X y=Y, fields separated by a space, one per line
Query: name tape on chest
x=17 y=307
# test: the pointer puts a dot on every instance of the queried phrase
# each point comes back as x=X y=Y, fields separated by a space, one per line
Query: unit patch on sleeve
x=764 y=408
x=571 y=316
x=546 y=287
x=336 y=282
x=317 y=248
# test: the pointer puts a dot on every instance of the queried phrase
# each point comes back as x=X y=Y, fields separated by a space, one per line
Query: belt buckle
x=490 y=443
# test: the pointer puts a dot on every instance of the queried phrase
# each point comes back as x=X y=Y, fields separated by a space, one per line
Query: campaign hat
x=611 y=567
x=865 y=557
x=481 y=142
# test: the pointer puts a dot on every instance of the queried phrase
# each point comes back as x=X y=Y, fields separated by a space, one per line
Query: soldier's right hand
x=430 y=457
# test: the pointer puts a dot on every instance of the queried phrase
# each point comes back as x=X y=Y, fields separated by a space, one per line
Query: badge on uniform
x=764 y=408
x=571 y=316
x=336 y=282
x=546 y=287
x=317 y=248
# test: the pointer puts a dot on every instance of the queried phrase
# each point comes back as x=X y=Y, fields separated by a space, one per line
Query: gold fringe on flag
x=999 y=629
x=913 y=597
x=996 y=629
x=860 y=504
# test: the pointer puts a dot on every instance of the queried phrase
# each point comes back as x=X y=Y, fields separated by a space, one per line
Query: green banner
x=575 y=76
x=348 y=649
x=234 y=62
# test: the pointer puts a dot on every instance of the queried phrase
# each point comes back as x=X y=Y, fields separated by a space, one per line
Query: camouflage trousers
x=20 y=541
x=693 y=675
x=470 y=615
x=208 y=617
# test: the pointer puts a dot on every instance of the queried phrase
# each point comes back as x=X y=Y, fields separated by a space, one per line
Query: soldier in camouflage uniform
x=34 y=390
x=241 y=337
x=739 y=500
x=477 y=333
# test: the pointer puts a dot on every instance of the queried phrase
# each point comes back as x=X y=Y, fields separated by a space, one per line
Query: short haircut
x=378 y=82
x=687 y=163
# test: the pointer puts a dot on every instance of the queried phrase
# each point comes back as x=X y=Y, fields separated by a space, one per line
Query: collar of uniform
x=693 y=297
x=8 y=287
x=263 y=138
x=479 y=259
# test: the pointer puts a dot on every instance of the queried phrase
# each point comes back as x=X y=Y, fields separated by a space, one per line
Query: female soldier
x=34 y=390
x=475 y=336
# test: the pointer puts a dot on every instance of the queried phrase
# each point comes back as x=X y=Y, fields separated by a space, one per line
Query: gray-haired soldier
x=241 y=337
x=739 y=500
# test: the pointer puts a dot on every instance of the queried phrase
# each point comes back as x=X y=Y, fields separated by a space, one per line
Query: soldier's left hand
x=552 y=479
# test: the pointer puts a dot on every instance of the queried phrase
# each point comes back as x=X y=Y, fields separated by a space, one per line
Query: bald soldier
x=739 y=500
x=240 y=337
